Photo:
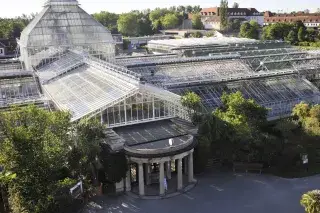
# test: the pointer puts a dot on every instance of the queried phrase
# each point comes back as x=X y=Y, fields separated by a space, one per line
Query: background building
x=309 y=19
x=211 y=16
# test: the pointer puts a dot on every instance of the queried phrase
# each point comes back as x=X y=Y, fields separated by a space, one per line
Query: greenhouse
x=68 y=63
x=60 y=26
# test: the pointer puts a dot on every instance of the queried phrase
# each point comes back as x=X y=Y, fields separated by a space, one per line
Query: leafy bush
x=309 y=44
x=311 y=201
x=196 y=34
x=211 y=33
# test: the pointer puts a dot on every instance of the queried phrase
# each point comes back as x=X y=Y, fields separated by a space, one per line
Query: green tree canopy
x=292 y=37
x=223 y=14
x=128 y=24
x=245 y=115
x=249 y=30
x=35 y=147
x=196 y=22
x=170 y=20
x=277 y=31
x=309 y=117
x=108 y=20
x=302 y=34
x=311 y=201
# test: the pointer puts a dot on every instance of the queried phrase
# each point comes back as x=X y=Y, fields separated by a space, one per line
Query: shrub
x=311 y=201
x=211 y=34
x=196 y=34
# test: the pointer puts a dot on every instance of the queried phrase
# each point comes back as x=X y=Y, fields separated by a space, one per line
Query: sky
x=13 y=8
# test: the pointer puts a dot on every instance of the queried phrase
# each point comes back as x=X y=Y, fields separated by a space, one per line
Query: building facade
x=211 y=16
x=311 y=20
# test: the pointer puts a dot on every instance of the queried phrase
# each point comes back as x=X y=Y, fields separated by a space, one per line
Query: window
x=1 y=51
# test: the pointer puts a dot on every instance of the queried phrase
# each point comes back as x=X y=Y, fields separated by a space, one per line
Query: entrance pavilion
x=157 y=151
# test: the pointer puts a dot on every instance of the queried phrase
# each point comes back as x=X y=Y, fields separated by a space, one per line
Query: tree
x=244 y=29
x=235 y=5
x=254 y=30
x=249 y=30
x=301 y=34
x=196 y=9
x=145 y=25
x=196 y=34
x=170 y=21
x=292 y=37
x=115 y=165
x=87 y=135
x=211 y=33
x=309 y=117
x=155 y=17
x=223 y=14
x=277 y=31
x=234 y=25
x=247 y=120
x=181 y=9
x=244 y=114
x=189 y=9
x=311 y=35
x=12 y=28
x=34 y=147
x=311 y=201
x=108 y=20
x=196 y=22
x=128 y=24
x=192 y=102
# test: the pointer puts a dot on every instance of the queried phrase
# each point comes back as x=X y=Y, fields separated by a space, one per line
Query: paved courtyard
x=221 y=192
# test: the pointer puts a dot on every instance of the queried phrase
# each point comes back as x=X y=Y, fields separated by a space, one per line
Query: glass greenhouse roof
x=63 y=25
x=18 y=90
x=87 y=89
x=267 y=92
x=187 y=42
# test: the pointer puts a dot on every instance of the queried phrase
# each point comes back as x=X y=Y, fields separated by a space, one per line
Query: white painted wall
x=211 y=25
x=1 y=51
x=216 y=25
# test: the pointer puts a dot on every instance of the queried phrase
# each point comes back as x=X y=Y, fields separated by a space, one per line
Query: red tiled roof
x=290 y=18
x=211 y=9
x=247 y=11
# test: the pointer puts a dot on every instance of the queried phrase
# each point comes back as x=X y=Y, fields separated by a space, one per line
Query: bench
x=247 y=167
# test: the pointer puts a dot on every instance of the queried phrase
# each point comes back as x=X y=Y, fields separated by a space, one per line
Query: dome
x=61 y=26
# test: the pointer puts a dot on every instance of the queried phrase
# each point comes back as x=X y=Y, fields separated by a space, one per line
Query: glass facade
x=60 y=27
x=140 y=107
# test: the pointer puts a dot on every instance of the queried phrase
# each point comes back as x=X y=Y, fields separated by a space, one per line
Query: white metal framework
x=73 y=58
x=18 y=90
x=280 y=94
x=62 y=25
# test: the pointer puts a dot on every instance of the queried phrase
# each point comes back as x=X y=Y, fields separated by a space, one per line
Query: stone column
x=141 y=179
x=128 y=180
x=179 y=164
x=147 y=173
x=168 y=167
x=190 y=169
x=161 y=178
x=185 y=165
